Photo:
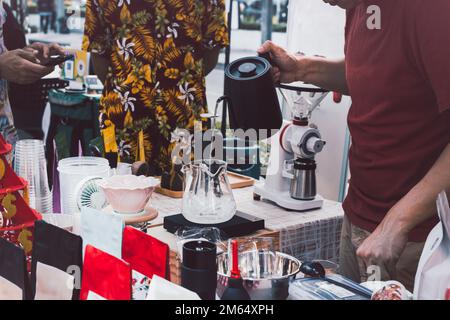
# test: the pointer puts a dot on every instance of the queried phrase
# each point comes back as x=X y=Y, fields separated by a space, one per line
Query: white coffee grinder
x=291 y=175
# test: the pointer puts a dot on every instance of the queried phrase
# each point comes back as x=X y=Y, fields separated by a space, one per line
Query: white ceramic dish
x=128 y=194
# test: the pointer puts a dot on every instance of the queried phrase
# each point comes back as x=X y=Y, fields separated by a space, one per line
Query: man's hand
x=286 y=67
x=22 y=66
x=325 y=73
x=388 y=241
x=384 y=246
x=44 y=51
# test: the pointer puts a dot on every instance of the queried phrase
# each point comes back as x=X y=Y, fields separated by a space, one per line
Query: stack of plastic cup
x=31 y=165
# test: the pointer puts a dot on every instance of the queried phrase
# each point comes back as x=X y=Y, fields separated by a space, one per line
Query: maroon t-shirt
x=399 y=81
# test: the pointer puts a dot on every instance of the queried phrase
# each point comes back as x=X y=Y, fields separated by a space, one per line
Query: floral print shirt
x=155 y=82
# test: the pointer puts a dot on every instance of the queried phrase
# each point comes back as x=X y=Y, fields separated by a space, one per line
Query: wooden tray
x=169 y=193
x=237 y=181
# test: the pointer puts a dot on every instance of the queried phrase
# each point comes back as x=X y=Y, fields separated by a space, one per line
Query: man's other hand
x=384 y=247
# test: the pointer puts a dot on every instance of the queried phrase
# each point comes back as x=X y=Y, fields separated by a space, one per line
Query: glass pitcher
x=208 y=197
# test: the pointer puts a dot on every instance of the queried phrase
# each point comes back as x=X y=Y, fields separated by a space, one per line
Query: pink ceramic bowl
x=128 y=194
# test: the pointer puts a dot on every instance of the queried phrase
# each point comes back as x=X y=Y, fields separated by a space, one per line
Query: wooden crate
x=175 y=262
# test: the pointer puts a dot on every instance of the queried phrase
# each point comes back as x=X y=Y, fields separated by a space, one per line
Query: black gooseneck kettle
x=254 y=101
x=252 y=95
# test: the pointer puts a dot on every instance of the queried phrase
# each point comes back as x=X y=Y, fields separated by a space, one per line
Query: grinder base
x=284 y=199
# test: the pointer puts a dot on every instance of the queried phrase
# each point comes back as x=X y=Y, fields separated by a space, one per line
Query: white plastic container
x=71 y=172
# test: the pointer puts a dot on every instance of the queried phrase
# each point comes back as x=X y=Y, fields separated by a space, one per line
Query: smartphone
x=55 y=60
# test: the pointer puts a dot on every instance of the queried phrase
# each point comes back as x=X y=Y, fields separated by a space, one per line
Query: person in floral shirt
x=153 y=56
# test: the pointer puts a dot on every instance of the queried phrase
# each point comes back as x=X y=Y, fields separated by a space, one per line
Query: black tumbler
x=199 y=268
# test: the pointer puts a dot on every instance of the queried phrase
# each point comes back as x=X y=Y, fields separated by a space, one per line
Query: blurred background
x=250 y=27
x=309 y=26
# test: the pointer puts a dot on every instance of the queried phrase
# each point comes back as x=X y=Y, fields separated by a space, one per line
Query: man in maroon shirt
x=397 y=72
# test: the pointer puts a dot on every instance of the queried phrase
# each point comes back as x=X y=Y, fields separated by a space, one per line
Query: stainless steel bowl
x=266 y=274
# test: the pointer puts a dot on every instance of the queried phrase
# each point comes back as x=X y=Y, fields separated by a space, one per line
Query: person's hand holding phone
x=58 y=59
x=44 y=52
x=30 y=64
x=22 y=66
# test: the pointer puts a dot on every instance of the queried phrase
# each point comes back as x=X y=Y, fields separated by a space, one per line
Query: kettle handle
x=229 y=104
x=222 y=99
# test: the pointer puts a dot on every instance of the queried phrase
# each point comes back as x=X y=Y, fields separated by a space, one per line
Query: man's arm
x=420 y=203
x=325 y=73
x=210 y=59
x=101 y=66
x=387 y=242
